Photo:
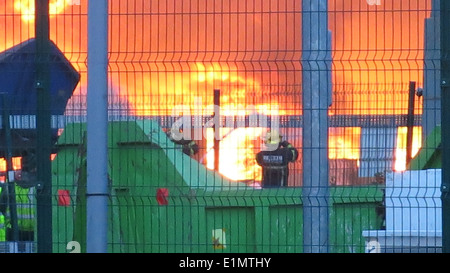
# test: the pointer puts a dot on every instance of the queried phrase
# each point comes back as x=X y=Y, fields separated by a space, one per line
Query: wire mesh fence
x=234 y=126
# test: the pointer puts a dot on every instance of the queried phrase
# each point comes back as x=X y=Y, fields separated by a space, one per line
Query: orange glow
x=400 y=152
x=377 y=50
x=344 y=143
x=16 y=161
x=197 y=85
x=168 y=53
x=27 y=10
x=237 y=153
x=254 y=58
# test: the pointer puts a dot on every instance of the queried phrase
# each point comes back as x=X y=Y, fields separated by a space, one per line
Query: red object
x=63 y=198
x=161 y=196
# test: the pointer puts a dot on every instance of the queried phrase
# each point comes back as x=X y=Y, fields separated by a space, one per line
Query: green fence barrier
x=164 y=201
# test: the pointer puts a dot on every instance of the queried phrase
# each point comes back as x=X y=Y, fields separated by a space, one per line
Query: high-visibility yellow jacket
x=2 y=225
x=25 y=209
x=2 y=228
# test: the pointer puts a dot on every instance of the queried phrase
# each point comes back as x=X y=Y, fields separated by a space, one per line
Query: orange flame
x=377 y=50
x=187 y=88
x=344 y=143
x=237 y=153
x=371 y=68
x=16 y=161
x=400 y=152
x=27 y=10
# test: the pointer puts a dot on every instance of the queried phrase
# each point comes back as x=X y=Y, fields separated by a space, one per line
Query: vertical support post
x=216 y=129
x=43 y=129
x=316 y=85
x=445 y=127
x=431 y=116
x=10 y=185
x=410 y=122
x=97 y=194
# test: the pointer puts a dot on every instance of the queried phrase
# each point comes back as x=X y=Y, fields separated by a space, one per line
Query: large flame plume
x=167 y=53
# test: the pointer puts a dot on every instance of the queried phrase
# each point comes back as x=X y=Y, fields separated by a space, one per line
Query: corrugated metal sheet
x=377 y=150
x=343 y=172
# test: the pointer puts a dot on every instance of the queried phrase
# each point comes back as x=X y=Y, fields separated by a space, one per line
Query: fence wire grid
x=234 y=126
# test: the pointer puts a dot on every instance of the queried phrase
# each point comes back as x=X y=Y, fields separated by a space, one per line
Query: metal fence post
x=43 y=129
x=10 y=185
x=410 y=122
x=216 y=128
x=97 y=128
x=445 y=127
x=315 y=94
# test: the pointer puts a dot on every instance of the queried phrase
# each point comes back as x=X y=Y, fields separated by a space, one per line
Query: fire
x=344 y=143
x=194 y=87
x=400 y=152
x=237 y=153
x=251 y=50
x=16 y=165
x=377 y=50
x=16 y=161
x=369 y=75
x=27 y=9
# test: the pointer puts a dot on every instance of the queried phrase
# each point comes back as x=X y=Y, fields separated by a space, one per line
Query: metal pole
x=431 y=116
x=43 y=129
x=445 y=127
x=316 y=85
x=216 y=129
x=410 y=122
x=10 y=185
x=97 y=128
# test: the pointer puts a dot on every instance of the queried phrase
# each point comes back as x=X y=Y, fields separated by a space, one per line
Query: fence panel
x=199 y=93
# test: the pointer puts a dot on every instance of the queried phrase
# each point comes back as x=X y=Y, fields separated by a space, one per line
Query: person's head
x=176 y=133
x=272 y=137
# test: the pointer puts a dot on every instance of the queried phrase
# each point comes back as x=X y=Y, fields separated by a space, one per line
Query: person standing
x=274 y=160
